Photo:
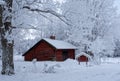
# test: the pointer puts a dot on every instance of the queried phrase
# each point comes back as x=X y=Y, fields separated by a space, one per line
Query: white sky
x=117 y=3
x=1 y=2
x=61 y=1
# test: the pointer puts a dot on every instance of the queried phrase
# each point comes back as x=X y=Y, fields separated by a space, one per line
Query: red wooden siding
x=44 y=52
x=29 y=56
x=59 y=55
x=72 y=53
x=82 y=58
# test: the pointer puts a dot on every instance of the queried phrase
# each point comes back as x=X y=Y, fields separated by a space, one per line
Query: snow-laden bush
x=34 y=65
x=51 y=68
x=97 y=60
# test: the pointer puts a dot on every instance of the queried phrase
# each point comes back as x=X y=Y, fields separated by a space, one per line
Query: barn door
x=65 y=54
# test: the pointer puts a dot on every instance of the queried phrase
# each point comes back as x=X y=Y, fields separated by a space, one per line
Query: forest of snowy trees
x=84 y=23
x=91 y=25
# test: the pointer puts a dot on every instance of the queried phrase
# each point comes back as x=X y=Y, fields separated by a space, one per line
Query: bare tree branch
x=46 y=17
x=61 y=17
x=30 y=27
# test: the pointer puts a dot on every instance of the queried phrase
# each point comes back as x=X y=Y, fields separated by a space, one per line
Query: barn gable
x=38 y=43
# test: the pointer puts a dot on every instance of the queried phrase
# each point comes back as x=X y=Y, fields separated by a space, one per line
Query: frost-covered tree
x=91 y=20
x=117 y=48
x=114 y=31
x=6 y=38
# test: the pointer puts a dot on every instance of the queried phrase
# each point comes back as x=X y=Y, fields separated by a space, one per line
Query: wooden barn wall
x=82 y=59
x=44 y=52
x=29 y=56
x=72 y=53
x=59 y=55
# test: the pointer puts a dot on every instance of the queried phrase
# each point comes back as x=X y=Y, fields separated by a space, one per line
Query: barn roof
x=83 y=53
x=58 y=44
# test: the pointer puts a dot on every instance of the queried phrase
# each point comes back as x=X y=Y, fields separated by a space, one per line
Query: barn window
x=65 y=54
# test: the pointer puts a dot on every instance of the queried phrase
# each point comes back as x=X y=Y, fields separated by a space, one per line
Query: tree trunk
x=6 y=39
x=1 y=24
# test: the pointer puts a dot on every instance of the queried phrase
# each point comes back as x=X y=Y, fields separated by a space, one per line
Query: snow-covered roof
x=83 y=53
x=58 y=44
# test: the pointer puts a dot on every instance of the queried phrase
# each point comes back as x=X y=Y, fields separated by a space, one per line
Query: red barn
x=83 y=57
x=50 y=49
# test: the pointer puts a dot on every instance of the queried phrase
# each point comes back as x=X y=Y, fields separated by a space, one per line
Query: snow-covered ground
x=69 y=70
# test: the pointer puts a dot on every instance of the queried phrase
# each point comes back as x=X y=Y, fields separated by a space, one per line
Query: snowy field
x=69 y=70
